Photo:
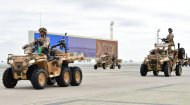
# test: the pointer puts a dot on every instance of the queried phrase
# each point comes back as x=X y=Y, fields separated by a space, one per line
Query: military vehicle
x=41 y=71
x=107 y=61
x=164 y=58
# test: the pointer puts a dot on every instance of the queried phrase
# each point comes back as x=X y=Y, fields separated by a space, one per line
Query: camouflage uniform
x=45 y=42
x=169 y=39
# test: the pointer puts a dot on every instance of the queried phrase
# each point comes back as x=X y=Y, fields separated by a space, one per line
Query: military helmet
x=170 y=30
x=43 y=30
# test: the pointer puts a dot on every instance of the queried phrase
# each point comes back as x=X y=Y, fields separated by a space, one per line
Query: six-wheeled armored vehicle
x=35 y=66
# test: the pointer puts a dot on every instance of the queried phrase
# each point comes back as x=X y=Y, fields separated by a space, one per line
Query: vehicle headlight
x=31 y=61
x=11 y=61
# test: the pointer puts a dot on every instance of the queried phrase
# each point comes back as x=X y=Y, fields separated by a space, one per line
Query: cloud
x=174 y=17
x=131 y=23
x=136 y=22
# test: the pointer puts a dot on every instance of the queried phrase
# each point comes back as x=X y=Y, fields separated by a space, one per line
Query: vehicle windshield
x=158 y=51
x=162 y=52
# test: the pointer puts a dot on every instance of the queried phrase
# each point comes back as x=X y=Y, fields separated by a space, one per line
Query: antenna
x=158 y=36
x=111 y=30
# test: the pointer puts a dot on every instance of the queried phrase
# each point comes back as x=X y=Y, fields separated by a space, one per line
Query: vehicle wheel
x=185 y=64
x=167 y=70
x=178 y=70
x=51 y=81
x=119 y=66
x=95 y=67
x=8 y=79
x=143 y=70
x=39 y=79
x=76 y=76
x=104 y=66
x=112 y=67
x=181 y=53
x=64 y=79
x=155 y=73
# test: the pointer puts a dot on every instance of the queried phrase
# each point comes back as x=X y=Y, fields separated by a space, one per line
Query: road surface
x=105 y=87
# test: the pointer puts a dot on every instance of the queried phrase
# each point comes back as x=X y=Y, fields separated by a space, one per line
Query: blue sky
x=136 y=22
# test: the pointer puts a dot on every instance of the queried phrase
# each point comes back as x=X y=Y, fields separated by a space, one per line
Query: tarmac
x=105 y=87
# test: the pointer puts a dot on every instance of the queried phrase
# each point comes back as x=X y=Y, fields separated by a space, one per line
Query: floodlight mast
x=111 y=30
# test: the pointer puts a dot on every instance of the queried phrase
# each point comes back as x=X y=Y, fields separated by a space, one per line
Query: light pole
x=111 y=30
x=158 y=36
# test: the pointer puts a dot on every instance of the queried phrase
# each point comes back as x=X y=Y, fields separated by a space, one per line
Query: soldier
x=169 y=38
x=43 y=42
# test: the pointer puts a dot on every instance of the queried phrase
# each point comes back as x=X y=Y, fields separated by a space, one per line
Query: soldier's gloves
x=39 y=42
x=163 y=39
x=25 y=46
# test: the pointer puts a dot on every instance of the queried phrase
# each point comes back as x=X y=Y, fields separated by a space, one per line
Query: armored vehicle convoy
x=35 y=66
x=164 y=58
x=107 y=60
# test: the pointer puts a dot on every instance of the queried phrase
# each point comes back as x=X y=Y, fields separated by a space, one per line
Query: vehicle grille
x=153 y=62
x=18 y=65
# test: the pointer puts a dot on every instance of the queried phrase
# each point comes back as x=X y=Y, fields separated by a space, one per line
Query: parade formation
x=44 y=65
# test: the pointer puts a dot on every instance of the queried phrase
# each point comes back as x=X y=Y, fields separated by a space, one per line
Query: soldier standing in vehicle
x=169 y=38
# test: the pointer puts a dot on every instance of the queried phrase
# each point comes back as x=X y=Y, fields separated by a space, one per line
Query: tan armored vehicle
x=107 y=60
x=163 y=58
x=41 y=71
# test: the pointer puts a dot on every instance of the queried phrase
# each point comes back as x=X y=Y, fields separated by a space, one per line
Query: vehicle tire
x=95 y=67
x=143 y=70
x=51 y=81
x=8 y=79
x=178 y=70
x=155 y=73
x=185 y=64
x=76 y=76
x=181 y=53
x=167 y=70
x=64 y=79
x=112 y=67
x=119 y=66
x=104 y=66
x=39 y=79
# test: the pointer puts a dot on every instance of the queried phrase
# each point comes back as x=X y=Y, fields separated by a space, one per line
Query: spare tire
x=181 y=53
